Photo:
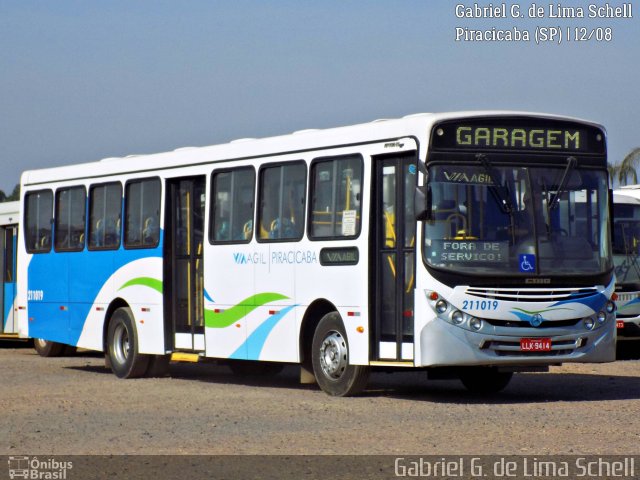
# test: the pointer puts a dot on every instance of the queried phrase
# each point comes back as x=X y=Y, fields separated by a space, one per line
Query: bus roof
x=628 y=194
x=417 y=125
x=9 y=213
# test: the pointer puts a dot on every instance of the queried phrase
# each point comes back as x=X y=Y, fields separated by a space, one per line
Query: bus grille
x=532 y=294
x=521 y=324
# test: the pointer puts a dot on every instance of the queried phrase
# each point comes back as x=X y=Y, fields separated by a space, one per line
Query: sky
x=84 y=80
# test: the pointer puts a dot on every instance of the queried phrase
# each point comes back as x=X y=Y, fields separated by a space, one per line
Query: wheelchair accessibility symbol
x=527 y=263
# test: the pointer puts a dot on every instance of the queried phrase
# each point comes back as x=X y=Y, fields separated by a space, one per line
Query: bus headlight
x=475 y=323
x=610 y=306
x=458 y=317
x=602 y=317
x=441 y=306
x=589 y=323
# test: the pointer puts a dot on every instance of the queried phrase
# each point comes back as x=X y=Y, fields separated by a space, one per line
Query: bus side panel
x=47 y=297
x=271 y=329
x=137 y=281
x=345 y=287
x=9 y=301
x=228 y=280
x=68 y=294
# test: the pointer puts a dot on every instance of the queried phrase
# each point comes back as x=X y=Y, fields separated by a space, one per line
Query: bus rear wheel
x=122 y=344
x=45 y=348
x=485 y=380
x=330 y=359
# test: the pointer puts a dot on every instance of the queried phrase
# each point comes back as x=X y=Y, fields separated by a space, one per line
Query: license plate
x=535 y=344
x=620 y=323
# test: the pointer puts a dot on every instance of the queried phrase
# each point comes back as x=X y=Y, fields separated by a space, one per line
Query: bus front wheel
x=122 y=341
x=484 y=380
x=45 y=348
x=330 y=359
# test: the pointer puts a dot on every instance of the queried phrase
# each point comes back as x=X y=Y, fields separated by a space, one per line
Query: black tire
x=484 y=380
x=330 y=359
x=251 y=368
x=45 y=348
x=122 y=345
x=158 y=366
x=69 y=351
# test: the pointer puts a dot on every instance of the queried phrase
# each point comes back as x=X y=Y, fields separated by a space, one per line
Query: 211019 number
x=479 y=304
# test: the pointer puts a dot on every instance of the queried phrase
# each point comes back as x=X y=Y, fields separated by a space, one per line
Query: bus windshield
x=626 y=241
x=512 y=220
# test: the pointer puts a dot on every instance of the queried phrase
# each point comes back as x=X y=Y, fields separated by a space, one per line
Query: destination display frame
x=517 y=134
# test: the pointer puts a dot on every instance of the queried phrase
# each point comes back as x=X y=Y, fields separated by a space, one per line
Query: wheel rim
x=333 y=355
x=121 y=344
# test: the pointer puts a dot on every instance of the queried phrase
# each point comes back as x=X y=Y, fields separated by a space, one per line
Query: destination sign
x=505 y=137
x=518 y=134
x=465 y=251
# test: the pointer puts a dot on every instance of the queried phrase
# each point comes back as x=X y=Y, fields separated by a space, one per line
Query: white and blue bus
x=9 y=216
x=473 y=244
x=626 y=248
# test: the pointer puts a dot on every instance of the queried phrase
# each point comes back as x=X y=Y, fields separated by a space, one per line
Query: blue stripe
x=255 y=343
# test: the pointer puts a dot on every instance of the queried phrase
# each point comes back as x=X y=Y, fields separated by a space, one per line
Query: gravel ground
x=73 y=405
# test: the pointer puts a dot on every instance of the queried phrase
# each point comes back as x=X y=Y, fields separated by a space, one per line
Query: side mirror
x=422 y=202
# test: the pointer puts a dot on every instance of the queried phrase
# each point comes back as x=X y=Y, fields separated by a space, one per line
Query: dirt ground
x=73 y=405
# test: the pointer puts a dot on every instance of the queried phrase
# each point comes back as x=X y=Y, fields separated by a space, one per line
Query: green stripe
x=145 y=282
x=242 y=309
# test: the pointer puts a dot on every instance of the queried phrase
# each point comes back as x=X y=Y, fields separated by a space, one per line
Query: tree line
x=625 y=172
x=15 y=194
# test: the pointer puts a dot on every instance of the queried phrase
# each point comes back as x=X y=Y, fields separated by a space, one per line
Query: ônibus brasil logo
x=34 y=468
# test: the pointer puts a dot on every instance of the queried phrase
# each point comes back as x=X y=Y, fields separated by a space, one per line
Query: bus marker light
x=614 y=296
x=273 y=312
x=218 y=310
x=457 y=317
x=353 y=314
x=64 y=308
x=589 y=323
x=142 y=322
x=360 y=329
x=433 y=296
x=407 y=313
x=21 y=307
x=238 y=325
x=475 y=323
x=99 y=309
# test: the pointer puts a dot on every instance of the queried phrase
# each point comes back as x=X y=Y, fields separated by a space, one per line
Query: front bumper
x=443 y=344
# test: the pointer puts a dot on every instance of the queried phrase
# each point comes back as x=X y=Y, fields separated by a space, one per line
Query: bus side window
x=105 y=207
x=70 y=219
x=142 y=213
x=232 y=212
x=335 y=210
x=282 y=201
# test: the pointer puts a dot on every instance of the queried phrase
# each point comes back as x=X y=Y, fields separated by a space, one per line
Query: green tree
x=15 y=195
x=625 y=173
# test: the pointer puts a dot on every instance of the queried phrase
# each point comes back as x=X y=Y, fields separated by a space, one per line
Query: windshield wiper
x=500 y=192
x=571 y=164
